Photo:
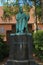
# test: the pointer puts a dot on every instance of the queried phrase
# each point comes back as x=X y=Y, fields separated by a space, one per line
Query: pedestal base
x=26 y=62
x=20 y=50
x=15 y=62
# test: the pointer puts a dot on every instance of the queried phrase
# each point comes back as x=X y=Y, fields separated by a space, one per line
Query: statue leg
x=20 y=23
x=23 y=25
x=27 y=28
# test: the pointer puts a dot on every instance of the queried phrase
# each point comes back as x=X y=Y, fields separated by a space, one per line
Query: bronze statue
x=21 y=21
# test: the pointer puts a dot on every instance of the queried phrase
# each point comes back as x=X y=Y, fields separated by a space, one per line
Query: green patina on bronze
x=22 y=21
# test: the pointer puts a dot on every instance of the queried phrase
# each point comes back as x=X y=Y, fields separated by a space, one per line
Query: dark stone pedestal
x=13 y=62
x=20 y=49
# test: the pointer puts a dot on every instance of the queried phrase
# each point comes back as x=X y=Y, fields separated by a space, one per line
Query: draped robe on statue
x=22 y=22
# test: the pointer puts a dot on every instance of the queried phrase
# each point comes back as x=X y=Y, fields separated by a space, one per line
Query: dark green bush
x=4 y=49
x=38 y=44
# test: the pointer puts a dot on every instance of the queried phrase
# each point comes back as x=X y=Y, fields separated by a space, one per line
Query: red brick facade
x=8 y=25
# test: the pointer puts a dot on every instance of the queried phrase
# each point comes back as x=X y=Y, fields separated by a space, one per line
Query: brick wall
x=3 y=30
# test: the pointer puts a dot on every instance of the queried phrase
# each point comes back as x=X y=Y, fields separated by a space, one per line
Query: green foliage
x=26 y=9
x=6 y=13
x=12 y=9
x=38 y=11
x=38 y=43
x=9 y=10
x=38 y=8
x=4 y=49
x=1 y=36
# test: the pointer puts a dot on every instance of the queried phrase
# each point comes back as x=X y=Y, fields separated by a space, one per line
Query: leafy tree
x=26 y=8
x=9 y=10
x=37 y=11
x=7 y=13
x=41 y=3
x=38 y=44
x=12 y=9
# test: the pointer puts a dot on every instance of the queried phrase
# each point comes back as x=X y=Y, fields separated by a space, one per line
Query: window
x=1 y=30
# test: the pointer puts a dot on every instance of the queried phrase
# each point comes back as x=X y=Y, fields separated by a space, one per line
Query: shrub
x=4 y=49
x=38 y=43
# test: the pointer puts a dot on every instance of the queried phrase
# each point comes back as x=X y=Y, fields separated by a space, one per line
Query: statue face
x=20 y=9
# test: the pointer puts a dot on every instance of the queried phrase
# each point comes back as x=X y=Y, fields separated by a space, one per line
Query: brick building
x=8 y=26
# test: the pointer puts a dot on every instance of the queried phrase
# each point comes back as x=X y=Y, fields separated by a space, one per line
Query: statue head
x=20 y=9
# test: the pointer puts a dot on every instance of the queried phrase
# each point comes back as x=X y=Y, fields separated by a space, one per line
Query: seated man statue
x=21 y=21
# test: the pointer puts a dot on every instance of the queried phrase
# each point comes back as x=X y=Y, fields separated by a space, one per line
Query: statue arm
x=17 y=18
x=27 y=17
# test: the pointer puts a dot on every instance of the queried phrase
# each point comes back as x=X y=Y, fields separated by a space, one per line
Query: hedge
x=4 y=49
x=38 y=43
